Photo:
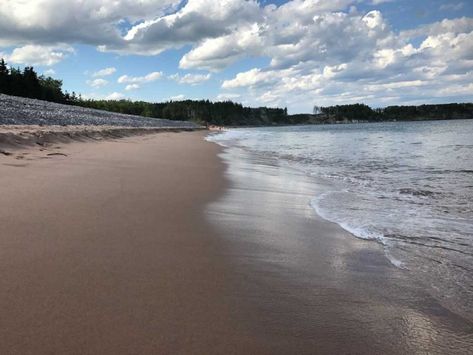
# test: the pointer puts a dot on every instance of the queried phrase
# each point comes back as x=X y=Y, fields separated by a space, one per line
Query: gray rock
x=22 y=111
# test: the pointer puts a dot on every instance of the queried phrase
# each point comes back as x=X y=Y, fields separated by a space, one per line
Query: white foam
x=361 y=232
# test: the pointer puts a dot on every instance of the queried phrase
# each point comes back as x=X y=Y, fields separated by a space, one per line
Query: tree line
x=221 y=113
x=27 y=83
x=364 y=113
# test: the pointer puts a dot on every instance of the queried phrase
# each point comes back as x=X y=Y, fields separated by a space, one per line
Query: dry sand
x=21 y=136
x=107 y=248
x=103 y=250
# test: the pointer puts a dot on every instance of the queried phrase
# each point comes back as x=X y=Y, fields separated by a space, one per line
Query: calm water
x=408 y=186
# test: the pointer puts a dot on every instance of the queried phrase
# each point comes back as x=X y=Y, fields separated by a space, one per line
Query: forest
x=221 y=113
x=364 y=113
x=27 y=83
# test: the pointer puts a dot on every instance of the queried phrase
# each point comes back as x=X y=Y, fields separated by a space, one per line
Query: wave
x=415 y=200
x=365 y=232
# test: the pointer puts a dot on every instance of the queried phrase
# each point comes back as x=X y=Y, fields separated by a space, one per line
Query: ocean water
x=407 y=186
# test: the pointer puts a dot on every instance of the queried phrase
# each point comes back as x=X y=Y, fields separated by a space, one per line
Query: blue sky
x=293 y=54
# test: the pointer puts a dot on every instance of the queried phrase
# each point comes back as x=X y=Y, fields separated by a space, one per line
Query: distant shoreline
x=347 y=123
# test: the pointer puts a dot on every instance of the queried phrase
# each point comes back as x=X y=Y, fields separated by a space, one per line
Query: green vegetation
x=364 y=113
x=438 y=112
x=349 y=112
x=204 y=111
x=27 y=83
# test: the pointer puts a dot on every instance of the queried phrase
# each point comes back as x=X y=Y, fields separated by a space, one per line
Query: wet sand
x=311 y=287
x=141 y=246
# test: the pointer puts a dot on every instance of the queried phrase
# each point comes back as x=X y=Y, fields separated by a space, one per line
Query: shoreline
x=329 y=284
x=164 y=243
x=365 y=194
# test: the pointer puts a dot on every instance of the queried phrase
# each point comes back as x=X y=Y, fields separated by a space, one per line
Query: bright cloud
x=97 y=83
x=125 y=79
x=194 y=22
x=177 y=98
x=190 y=79
x=39 y=55
x=104 y=72
x=369 y=61
x=115 y=96
x=132 y=87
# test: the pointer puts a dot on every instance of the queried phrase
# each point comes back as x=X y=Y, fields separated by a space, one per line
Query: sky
x=293 y=54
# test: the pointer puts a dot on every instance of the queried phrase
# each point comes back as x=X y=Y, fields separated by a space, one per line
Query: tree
x=4 y=73
x=31 y=83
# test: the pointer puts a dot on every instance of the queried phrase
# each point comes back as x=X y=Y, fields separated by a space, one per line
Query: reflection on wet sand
x=312 y=287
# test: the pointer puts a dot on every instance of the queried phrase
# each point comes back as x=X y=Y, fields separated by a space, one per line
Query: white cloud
x=458 y=25
x=177 y=97
x=104 y=72
x=190 y=79
x=130 y=87
x=115 y=96
x=194 y=22
x=39 y=55
x=368 y=61
x=251 y=78
x=125 y=79
x=97 y=83
x=214 y=54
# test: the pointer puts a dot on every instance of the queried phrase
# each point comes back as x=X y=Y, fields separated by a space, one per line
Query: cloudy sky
x=274 y=53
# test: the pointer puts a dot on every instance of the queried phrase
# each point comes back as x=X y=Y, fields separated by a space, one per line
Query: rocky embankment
x=28 y=122
x=22 y=111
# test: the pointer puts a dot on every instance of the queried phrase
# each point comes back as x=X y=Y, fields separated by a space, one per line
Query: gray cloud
x=94 y=22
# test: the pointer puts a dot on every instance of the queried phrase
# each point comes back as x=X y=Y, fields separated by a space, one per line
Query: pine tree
x=4 y=73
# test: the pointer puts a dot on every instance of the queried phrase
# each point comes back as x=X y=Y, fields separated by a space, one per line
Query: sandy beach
x=104 y=249
x=154 y=244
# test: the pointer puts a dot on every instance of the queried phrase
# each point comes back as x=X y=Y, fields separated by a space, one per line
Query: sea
x=405 y=185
